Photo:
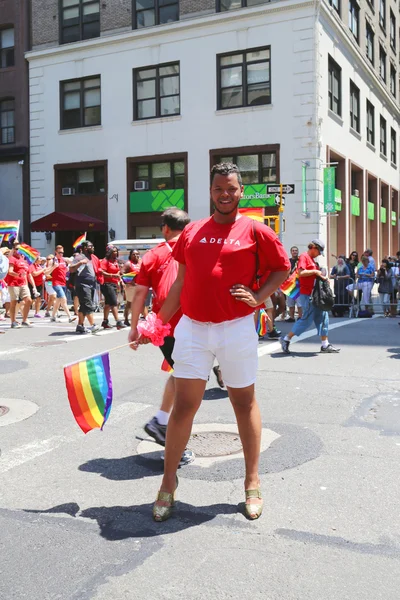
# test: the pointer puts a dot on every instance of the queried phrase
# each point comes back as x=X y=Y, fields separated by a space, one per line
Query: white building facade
x=116 y=117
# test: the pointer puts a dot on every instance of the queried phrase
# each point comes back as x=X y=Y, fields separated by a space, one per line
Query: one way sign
x=287 y=188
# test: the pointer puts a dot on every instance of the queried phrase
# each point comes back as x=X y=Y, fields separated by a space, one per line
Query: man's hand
x=84 y=261
x=245 y=294
x=323 y=277
x=133 y=338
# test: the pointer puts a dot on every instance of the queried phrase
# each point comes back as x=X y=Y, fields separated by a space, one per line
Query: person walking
x=37 y=272
x=59 y=284
x=385 y=288
x=308 y=271
x=365 y=280
x=86 y=265
x=132 y=265
x=217 y=290
x=112 y=277
x=291 y=303
x=17 y=281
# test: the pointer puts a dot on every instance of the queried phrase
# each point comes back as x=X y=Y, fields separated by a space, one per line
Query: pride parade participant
x=17 y=281
x=86 y=265
x=132 y=265
x=215 y=289
x=59 y=283
x=112 y=277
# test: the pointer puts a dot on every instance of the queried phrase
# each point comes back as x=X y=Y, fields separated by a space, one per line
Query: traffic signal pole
x=280 y=210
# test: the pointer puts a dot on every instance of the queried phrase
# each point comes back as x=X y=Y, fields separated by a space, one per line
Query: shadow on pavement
x=294 y=354
x=395 y=352
x=127 y=468
x=215 y=394
x=122 y=522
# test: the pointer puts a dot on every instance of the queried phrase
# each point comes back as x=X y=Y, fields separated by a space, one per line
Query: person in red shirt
x=308 y=271
x=37 y=272
x=17 y=281
x=112 y=277
x=132 y=265
x=216 y=289
x=59 y=283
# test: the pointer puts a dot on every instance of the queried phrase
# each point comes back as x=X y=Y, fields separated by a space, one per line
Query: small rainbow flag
x=291 y=287
x=79 y=240
x=129 y=277
x=253 y=213
x=262 y=322
x=9 y=227
x=89 y=388
x=30 y=253
x=166 y=367
x=1 y=238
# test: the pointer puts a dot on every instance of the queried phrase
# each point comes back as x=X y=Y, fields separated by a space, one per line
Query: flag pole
x=98 y=354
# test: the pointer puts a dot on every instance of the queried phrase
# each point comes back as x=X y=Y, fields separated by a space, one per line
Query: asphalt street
x=75 y=510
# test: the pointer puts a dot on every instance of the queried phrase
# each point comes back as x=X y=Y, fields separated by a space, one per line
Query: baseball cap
x=320 y=244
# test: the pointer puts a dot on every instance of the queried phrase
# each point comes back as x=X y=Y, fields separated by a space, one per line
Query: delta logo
x=227 y=241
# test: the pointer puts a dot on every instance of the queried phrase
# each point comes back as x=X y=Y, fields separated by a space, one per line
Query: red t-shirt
x=306 y=283
x=110 y=267
x=151 y=272
x=39 y=278
x=21 y=267
x=59 y=275
x=218 y=256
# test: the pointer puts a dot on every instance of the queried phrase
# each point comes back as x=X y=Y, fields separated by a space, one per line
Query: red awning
x=61 y=221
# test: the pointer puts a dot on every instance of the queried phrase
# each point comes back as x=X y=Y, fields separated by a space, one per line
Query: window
x=80 y=103
x=382 y=14
x=162 y=175
x=370 y=123
x=254 y=168
x=393 y=147
x=382 y=63
x=392 y=31
x=223 y=5
x=79 y=20
x=7 y=121
x=354 y=15
x=383 y=136
x=156 y=91
x=84 y=181
x=244 y=78
x=393 y=79
x=334 y=87
x=336 y=5
x=155 y=12
x=7 y=48
x=354 y=107
x=370 y=43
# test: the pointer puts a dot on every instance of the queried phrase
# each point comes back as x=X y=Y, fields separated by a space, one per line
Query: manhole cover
x=3 y=410
x=49 y=343
x=215 y=443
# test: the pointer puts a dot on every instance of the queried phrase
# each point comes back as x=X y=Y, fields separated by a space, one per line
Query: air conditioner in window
x=139 y=186
x=68 y=191
x=356 y=193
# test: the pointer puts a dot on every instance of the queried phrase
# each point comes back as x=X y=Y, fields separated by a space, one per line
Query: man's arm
x=73 y=268
x=139 y=296
x=12 y=272
x=255 y=298
x=309 y=272
x=173 y=300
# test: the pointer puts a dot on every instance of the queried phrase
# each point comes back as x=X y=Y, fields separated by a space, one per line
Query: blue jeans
x=59 y=290
x=311 y=314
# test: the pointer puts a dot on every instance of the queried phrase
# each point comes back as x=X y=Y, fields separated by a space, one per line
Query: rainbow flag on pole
x=89 y=388
x=166 y=367
x=291 y=287
x=253 y=213
x=79 y=240
x=10 y=228
x=129 y=277
x=30 y=253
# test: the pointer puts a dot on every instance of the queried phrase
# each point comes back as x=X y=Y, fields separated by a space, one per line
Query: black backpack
x=322 y=296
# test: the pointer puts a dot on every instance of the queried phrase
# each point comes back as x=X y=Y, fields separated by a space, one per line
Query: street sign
x=287 y=188
x=278 y=200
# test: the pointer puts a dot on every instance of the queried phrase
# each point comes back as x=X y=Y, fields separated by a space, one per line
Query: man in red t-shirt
x=36 y=271
x=132 y=265
x=17 y=281
x=308 y=271
x=216 y=289
x=112 y=277
x=158 y=271
x=59 y=283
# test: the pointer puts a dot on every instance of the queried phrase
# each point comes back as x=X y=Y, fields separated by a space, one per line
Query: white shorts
x=49 y=288
x=233 y=343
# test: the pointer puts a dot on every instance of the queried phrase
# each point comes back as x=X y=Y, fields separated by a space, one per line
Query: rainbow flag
x=30 y=253
x=9 y=227
x=129 y=277
x=262 y=322
x=1 y=238
x=253 y=213
x=291 y=287
x=79 y=240
x=166 y=367
x=89 y=388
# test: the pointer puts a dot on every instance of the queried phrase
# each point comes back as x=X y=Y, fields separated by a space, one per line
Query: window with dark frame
x=370 y=36
x=164 y=175
x=79 y=20
x=354 y=18
x=7 y=121
x=382 y=14
x=254 y=168
x=382 y=63
x=7 y=57
x=336 y=5
x=156 y=91
x=354 y=107
x=224 y=5
x=383 y=145
x=392 y=32
x=393 y=81
x=393 y=146
x=147 y=13
x=87 y=181
x=80 y=102
x=334 y=87
x=244 y=78
x=370 y=123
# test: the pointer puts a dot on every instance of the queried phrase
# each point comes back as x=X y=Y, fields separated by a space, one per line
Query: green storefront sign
x=338 y=199
x=355 y=206
x=329 y=190
x=371 y=211
x=255 y=196
x=156 y=201
x=383 y=214
x=394 y=217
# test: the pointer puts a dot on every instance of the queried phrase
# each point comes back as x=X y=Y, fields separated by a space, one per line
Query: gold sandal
x=162 y=513
x=253 y=511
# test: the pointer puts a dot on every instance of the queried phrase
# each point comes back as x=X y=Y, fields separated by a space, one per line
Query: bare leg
x=127 y=310
x=57 y=303
x=188 y=397
x=26 y=305
x=106 y=312
x=38 y=302
x=114 y=310
x=168 y=396
x=13 y=310
x=63 y=302
x=76 y=305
